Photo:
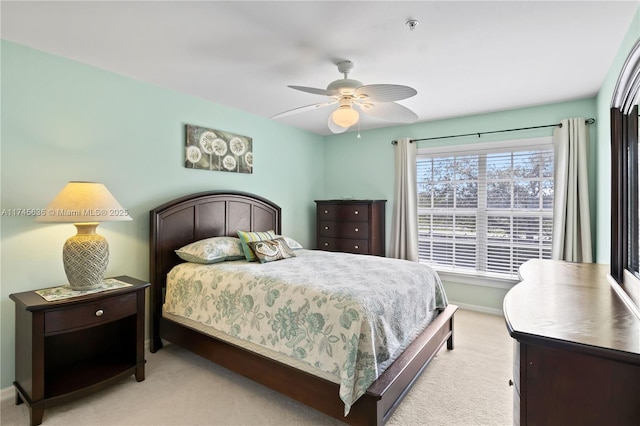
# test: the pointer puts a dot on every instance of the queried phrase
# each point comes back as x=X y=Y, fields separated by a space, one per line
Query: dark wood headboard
x=194 y=217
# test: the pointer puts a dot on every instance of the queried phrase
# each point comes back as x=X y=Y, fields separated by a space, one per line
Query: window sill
x=474 y=278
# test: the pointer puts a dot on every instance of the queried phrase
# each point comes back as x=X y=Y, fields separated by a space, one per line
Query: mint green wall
x=63 y=121
x=603 y=229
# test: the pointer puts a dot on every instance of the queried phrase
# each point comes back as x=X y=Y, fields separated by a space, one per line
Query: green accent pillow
x=212 y=250
x=270 y=250
x=246 y=237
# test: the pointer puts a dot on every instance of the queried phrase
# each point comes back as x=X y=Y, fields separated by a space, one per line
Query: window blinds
x=488 y=210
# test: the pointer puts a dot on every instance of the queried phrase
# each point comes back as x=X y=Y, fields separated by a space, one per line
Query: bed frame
x=217 y=213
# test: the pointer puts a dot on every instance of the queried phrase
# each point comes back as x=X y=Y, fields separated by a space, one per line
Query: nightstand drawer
x=89 y=314
x=356 y=230
x=353 y=212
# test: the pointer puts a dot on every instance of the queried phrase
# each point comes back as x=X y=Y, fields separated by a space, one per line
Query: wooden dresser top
x=565 y=304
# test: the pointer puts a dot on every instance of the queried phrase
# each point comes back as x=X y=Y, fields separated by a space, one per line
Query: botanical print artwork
x=211 y=149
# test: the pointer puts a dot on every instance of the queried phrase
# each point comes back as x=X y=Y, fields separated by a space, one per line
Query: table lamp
x=86 y=254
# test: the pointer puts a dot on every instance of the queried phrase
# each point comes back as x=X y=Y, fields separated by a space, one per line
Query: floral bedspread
x=346 y=314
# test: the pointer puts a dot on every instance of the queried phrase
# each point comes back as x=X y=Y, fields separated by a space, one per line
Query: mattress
x=343 y=317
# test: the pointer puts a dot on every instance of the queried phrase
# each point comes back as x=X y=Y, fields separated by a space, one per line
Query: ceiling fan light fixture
x=345 y=116
x=345 y=86
x=377 y=100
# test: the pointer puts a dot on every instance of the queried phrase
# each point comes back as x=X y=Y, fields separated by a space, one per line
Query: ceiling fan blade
x=389 y=111
x=303 y=109
x=315 y=91
x=334 y=127
x=385 y=92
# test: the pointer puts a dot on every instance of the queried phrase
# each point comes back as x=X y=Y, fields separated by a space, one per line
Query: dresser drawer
x=342 y=244
x=355 y=230
x=90 y=314
x=342 y=212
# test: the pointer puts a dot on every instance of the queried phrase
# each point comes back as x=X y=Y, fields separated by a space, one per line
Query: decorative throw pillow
x=293 y=244
x=212 y=250
x=246 y=237
x=270 y=250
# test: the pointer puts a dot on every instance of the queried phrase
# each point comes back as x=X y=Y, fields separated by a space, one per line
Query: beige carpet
x=466 y=386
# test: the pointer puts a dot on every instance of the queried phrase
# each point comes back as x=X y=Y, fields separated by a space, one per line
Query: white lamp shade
x=86 y=254
x=345 y=116
x=84 y=202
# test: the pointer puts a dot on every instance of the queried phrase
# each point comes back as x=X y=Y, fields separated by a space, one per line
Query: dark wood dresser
x=577 y=347
x=352 y=226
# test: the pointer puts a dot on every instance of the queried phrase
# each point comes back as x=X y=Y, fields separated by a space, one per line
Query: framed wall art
x=211 y=149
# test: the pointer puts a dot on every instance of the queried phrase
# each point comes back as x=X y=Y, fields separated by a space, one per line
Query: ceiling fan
x=351 y=95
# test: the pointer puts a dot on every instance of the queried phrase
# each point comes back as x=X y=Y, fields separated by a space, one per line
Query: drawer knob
x=326 y=211
x=326 y=227
x=355 y=212
x=356 y=247
x=326 y=244
x=356 y=229
x=510 y=382
x=99 y=312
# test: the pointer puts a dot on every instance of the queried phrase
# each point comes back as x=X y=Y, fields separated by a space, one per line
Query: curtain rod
x=587 y=121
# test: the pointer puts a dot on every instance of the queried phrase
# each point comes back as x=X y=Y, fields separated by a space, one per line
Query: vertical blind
x=488 y=209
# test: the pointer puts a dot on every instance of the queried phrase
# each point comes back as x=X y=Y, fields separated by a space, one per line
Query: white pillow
x=212 y=250
x=293 y=244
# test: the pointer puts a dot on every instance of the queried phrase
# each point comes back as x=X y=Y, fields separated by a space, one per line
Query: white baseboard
x=478 y=308
x=6 y=394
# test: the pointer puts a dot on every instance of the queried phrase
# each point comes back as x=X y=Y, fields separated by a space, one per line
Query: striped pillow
x=246 y=237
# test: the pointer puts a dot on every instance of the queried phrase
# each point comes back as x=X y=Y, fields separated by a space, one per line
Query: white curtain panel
x=571 y=219
x=404 y=226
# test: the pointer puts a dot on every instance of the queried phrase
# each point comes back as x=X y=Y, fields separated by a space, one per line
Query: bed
x=222 y=213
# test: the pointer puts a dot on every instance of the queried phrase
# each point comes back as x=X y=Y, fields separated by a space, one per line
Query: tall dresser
x=352 y=226
x=577 y=347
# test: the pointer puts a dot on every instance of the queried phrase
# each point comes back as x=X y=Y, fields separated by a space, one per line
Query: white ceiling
x=463 y=58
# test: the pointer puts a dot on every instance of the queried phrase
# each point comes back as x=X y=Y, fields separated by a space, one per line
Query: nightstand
x=69 y=348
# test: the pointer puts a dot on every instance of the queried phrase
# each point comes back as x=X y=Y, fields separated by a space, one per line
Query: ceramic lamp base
x=85 y=257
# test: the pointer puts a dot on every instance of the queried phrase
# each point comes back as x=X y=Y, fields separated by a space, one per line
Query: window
x=634 y=196
x=625 y=176
x=625 y=250
x=487 y=209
